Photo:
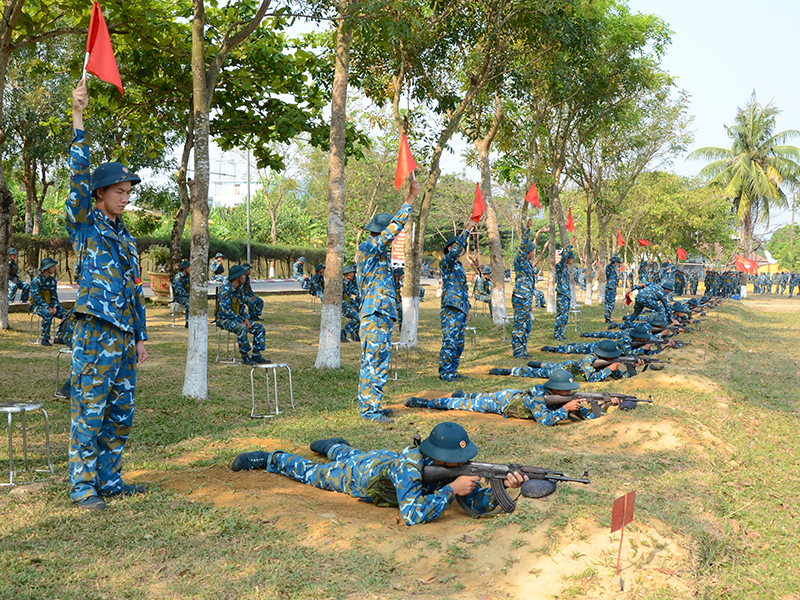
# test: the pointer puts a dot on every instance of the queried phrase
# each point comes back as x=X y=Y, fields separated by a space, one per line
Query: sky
x=720 y=52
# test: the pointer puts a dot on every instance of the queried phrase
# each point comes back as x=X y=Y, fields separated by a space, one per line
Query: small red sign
x=622 y=512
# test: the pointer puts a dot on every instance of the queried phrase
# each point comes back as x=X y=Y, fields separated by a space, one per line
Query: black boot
x=548 y=348
x=497 y=371
x=343 y=336
x=251 y=460
x=355 y=337
x=458 y=394
x=536 y=364
x=416 y=402
x=322 y=446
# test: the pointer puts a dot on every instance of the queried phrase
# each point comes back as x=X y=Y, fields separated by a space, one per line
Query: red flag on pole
x=479 y=206
x=681 y=253
x=644 y=243
x=620 y=241
x=745 y=265
x=405 y=163
x=533 y=196
x=570 y=222
x=100 y=59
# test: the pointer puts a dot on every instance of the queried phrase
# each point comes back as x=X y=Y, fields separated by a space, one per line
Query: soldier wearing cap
x=255 y=304
x=316 y=286
x=14 y=282
x=520 y=404
x=180 y=288
x=386 y=478
x=399 y=274
x=298 y=272
x=483 y=290
x=110 y=331
x=522 y=296
x=378 y=306
x=455 y=304
x=44 y=298
x=563 y=294
x=217 y=268
x=351 y=304
x=612 y=280
x=232 y=316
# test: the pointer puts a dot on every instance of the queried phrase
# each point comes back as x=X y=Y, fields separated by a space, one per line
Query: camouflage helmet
x=668 y=285
x=379 y=222
x=111 y=173
x=348 y=269
x=184 y=264
x=449 y=442
x=47 y=262
x=486 y=270
x=658 y=321
x=616 y=258
x=236 y=271
x=319 y=267
x=450 y=241
x=561 y=380
x=607 y=349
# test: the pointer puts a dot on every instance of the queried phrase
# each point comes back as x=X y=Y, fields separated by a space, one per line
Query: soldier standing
x=612 y=280
x=563 y=294
x=180 y=288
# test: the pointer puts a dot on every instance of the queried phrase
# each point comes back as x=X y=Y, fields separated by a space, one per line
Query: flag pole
x=85 y=62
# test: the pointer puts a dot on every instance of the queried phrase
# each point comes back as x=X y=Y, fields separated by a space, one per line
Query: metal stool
x=35 y=338
x=267 y=367
x=314 y=301
x=474 y=340
x=23 y=408
x=396 y=347
x=57 y=393
x=575 y=312
x=175 y=309
x=506 y=323
x=230 y=358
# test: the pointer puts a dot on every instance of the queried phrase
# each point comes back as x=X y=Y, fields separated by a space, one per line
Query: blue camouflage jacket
x=612 y=276
x=652 y=296
x=562 y=275
x=44 y=292
x=525 y=273
x=350 y=293
x=217 y=268
x=454 y=277
x=13 y=272
x=298 y=271
x=180 y=287
x=107 y=263
x=374 y=269
x=533 y=400
x=230 y=304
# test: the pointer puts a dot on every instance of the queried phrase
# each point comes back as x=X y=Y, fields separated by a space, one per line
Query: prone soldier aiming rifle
x=631 y=362
x=596 y=399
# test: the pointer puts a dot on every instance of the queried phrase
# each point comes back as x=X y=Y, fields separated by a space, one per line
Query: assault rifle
x=595 y=399
x=677 y=344
x=495 y=474
x=679 y=328
x=629 y=362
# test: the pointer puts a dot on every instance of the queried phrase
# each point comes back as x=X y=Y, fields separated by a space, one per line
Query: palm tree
x=752 y=171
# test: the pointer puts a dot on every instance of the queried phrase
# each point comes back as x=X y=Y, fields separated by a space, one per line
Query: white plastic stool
x=396 y=347
x=577 y=316
x=474 y=339
x=274 y=368
x=230 y=358
x=57 y=393
x=23 y=408
x=35 y=338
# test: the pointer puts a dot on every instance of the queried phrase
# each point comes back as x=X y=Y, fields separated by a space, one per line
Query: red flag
x=644 y=243
x=405 y=163
x=745 y=265
x=100 y=59
x=628 y=298
x=479 y=205
x=681 y=253
x=570 y=222
x=620 y=241
x=533 y=196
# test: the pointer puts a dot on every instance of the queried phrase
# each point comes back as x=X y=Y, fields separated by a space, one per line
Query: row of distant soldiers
x=763 y=282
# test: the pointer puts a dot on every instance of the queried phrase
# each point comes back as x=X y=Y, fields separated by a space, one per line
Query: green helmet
x=607 y=349
x=348 y=269
x=561 y=380
x=47 y=262
x=659 y=321
x=379 y=222
x=448 y=442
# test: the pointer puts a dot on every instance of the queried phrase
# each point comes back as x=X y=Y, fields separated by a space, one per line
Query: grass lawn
x=715 y=462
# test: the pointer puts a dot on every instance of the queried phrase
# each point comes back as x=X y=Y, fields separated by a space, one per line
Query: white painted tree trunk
x=410 y=319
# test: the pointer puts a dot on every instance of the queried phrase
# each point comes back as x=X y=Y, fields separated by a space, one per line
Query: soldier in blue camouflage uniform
x=654 y=297
x=255 y=304
x=399 y=275
x=217 y=269
x=387 y=478
x=522 y=296
x=520 y=404
x=694 y=280
x=612 y=280
x=299 y=274
x=351 y=304
x=111 y=330
x=563 y=294
x=538 y=295
x=455 y=305
x=316 y=285
x=14 y=282
x=585 y=366
x=794 y=280
x=44 y=298
x=378 y=309
x=680 y=282
x=483 y=291
x=180 y=288
x=232 y=316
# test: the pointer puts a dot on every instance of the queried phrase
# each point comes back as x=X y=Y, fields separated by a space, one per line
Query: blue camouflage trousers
x=66 y=330
x=47 y=318
x=237 y=327
x=562 y=316
x=539 y=299
x=638 y=307
x=611 y=300
x=493 y=402
x=376 y=346
x=12 y=291
x=103 y=381
x=255 y=306
x=349 y=472
x=453 y=323
x=575 y=348
x=354 y=322
x=522 y=325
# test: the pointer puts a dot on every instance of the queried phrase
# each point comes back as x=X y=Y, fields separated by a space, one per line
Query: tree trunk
x=602 y=232
x=176 y=237
x=328 y=355
x=587 y=254
x=29 y=179
x=551 y=259
x=195 y=383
